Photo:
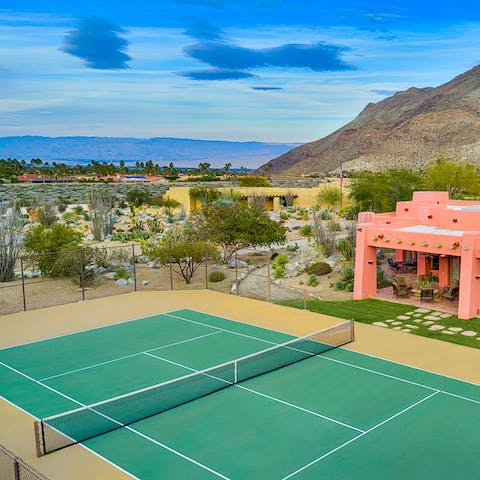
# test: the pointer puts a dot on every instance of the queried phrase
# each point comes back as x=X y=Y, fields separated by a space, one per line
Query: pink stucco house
x=442 y=235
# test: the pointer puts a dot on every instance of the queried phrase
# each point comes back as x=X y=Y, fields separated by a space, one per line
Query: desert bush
x=216 y=276
x=306 y=230
x=279 y=271
x=312 y=280
x=383 y=280
x=122 y=272
x=346 y=279
x=319 y=268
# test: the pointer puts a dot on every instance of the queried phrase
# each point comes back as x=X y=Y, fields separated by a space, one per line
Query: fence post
x=23 y=285
x=305 y=299
x=171 y=276
x=134 y=268
x=236 y=272
x=269 y=286
x=82 y=278
x=206 y=270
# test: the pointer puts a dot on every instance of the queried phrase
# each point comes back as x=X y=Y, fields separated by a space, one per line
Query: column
x=365 y=285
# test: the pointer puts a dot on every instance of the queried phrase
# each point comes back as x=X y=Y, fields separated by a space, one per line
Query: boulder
x=121 y=282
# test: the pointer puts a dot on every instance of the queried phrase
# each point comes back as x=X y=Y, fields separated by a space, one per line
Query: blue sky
x=267 y=70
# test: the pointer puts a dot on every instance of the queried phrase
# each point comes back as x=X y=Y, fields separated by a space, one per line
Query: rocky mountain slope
x=410 y=128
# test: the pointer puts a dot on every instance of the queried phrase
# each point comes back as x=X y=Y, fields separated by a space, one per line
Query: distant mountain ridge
x=409 y=129
x=183 y=152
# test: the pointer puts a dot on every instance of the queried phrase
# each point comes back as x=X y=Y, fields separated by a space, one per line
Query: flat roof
x=465 y=208
x=430 y=229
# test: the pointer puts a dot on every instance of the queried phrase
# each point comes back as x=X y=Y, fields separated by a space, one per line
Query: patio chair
x=427 y=294
x=400 y=290
x=393 y=265
x=451 y=292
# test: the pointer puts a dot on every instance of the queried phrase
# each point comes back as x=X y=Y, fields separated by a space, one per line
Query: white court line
x=400 y=379
x=128 y=356
x=146 y=437
x=263 y=395
x=229 y=331
x=359 y=436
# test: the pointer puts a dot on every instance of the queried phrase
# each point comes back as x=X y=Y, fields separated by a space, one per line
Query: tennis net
x=60 y=431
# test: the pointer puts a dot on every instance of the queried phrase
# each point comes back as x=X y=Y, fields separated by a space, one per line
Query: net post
x=236 y=271
x=269 y=283
x=352 y=330
x=235 y=372
x=39 y=440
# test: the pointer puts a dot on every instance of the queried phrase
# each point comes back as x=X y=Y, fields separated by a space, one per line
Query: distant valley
x=182 y=152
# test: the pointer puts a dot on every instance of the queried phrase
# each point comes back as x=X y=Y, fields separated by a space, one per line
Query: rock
x=145 y=282
x=419 y=320
x=396 y=323
x=238 y=263
x=448 y=332
x=403 y=317
x=431 y=317
x=412 y=327
x=152 y=264
x=406 y=330
x=242 y=276
x=100 y=270
x=89 y=237
x=455 y=329
x=417 y=314
x=428 y=322
x=110 y=275
x=397 y=328
x=434 y=328
x=131 y=281
x=468 y=333
x=380 y=324
x=422 y=310
x=409 y=313
x=389 y=320
x=234 y=288
x=445 y=315
x=121 y=282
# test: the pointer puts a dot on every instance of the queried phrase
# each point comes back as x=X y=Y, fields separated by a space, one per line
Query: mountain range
x=182 y=152
x=409 y=129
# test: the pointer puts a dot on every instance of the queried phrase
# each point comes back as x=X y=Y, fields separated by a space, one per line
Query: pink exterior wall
x=460 y=237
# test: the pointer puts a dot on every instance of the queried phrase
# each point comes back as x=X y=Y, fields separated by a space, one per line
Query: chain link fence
x=92 y=273
x=14 y=468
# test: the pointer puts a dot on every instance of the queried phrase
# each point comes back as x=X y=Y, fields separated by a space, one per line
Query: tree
x=205 y=195
x=10 y=240
x=456 y=178
x=182 y=250
x=226 y=169
x=46 y=211
x=169 y=203
x=43 y=245
x=137 y=197
x=204 y=168
x=380 y=192
x=325 y=236
x=253 y=181
x=235 y=224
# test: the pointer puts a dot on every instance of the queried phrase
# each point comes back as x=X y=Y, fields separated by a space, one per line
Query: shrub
x=306 y=230
x=383 y=280
x=284 y=215
x=122 y=272
x=293 y=248
x=346 y=279
x=334 y=227
x=274 y=255
x=312 y=280
x=279 y=271
x=281 y=259
x=325 y=215
x=319 y=268
x=216 y=276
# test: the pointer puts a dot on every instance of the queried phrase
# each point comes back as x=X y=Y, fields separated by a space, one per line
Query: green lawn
x=372 y=310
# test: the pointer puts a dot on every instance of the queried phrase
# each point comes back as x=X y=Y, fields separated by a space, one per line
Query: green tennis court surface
x=340 y=415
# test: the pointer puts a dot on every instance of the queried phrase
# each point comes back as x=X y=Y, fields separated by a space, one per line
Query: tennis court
x=337 y=414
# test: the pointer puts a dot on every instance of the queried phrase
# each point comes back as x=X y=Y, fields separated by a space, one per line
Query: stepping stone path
x=425 y=318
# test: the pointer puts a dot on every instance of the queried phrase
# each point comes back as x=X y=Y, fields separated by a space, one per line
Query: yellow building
x=274 y=197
